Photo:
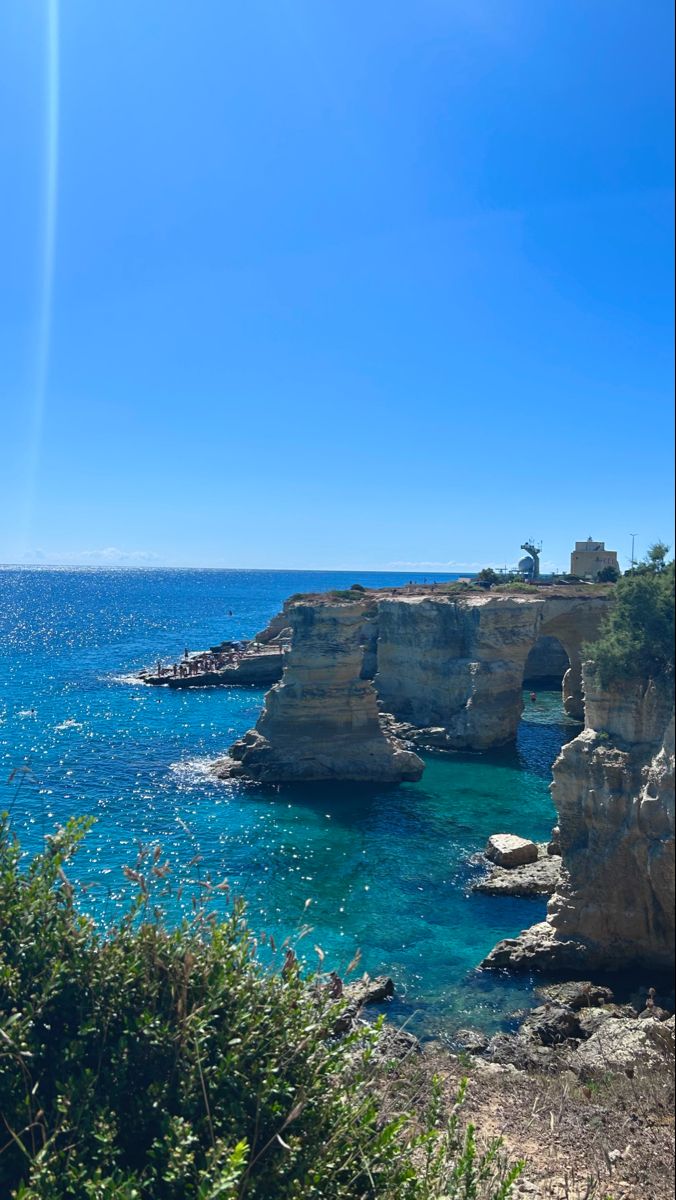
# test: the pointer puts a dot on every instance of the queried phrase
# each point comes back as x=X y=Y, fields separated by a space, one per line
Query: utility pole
x=632 y=536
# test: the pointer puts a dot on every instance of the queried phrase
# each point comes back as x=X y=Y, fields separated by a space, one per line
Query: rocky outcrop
x=448 y=669
x=518 y=867
x=593 y=1040
x=577 y=994
x=457 y=665
x=624 y=1044
x=277 y=629
x=322 y=720
x=540 y=878
x=614 y=791
x=508 y=850
x=253 y=668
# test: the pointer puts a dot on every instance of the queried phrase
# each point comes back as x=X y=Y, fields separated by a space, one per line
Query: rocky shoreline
x=578 y=1029
x=371 y=678
x=527 y=869
x=613 y=787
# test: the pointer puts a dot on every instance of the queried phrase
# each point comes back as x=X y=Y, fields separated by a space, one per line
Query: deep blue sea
x=385 y=871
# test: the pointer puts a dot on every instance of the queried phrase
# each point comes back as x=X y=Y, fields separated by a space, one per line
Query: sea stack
x=321 y=721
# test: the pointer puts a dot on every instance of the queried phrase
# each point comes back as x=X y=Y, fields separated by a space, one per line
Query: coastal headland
x=372 y=678
x=441 y=667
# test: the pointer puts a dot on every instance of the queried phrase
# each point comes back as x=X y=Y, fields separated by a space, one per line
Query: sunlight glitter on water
x=388 y=870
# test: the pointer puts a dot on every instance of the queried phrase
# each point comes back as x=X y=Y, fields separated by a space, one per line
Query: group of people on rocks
x=201 y=664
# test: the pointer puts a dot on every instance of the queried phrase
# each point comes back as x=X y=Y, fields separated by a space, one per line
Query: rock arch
x=547 y=661
x=457 y=666
x=451 y=667
x=573 y=625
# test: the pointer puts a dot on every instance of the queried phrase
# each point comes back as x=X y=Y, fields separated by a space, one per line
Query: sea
x=376 y=877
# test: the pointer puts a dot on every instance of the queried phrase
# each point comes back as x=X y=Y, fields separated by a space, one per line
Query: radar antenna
x=534 y=552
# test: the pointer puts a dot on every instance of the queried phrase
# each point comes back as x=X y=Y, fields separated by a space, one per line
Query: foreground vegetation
x=163 y=1064
x=637 y=640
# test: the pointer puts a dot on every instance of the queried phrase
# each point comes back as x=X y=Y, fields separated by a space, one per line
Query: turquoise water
x=386 y=870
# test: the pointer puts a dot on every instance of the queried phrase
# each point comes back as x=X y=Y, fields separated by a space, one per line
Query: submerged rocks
x=508 y=850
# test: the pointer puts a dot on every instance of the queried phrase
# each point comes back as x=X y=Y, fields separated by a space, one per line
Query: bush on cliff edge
x=637 y=639
x=152 y=1064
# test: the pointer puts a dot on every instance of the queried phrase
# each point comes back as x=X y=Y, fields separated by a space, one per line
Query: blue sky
x=318 y=283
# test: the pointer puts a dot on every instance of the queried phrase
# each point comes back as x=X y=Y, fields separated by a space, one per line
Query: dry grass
x=609 y=1140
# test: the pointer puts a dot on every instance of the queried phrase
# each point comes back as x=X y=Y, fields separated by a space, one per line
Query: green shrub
x=637 y=638
x=151 y=1064
x=455 y=587
x=517 y=586
x=487 y=577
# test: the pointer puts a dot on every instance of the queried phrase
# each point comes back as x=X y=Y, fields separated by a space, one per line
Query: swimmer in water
x=533 y=696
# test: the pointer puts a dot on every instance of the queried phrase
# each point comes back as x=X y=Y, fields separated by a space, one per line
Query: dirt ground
x=611 y=1139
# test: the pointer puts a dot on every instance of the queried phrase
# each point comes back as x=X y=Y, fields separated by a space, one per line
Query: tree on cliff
x=654 y=562
x=637 y=640
x=657 y=556
x=487 y=577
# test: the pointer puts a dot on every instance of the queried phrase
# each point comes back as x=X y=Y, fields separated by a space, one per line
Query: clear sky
x=326 y=283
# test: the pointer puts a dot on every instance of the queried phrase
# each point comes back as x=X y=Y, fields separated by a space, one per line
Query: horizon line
x=39 y=566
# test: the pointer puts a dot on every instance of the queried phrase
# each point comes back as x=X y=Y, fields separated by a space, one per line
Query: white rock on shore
x=508 y=850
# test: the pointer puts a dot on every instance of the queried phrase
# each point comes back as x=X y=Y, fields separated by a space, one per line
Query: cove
x=387 y=870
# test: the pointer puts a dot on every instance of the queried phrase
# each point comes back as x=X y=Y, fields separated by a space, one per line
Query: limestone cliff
x=450 y=667
x=322 y=720
x=614 y=791
x=459 y=664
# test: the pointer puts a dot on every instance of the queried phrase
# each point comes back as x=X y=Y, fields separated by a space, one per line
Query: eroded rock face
x=361 y=670
x=614 y=791
x=458 y=664
x=322 y=721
